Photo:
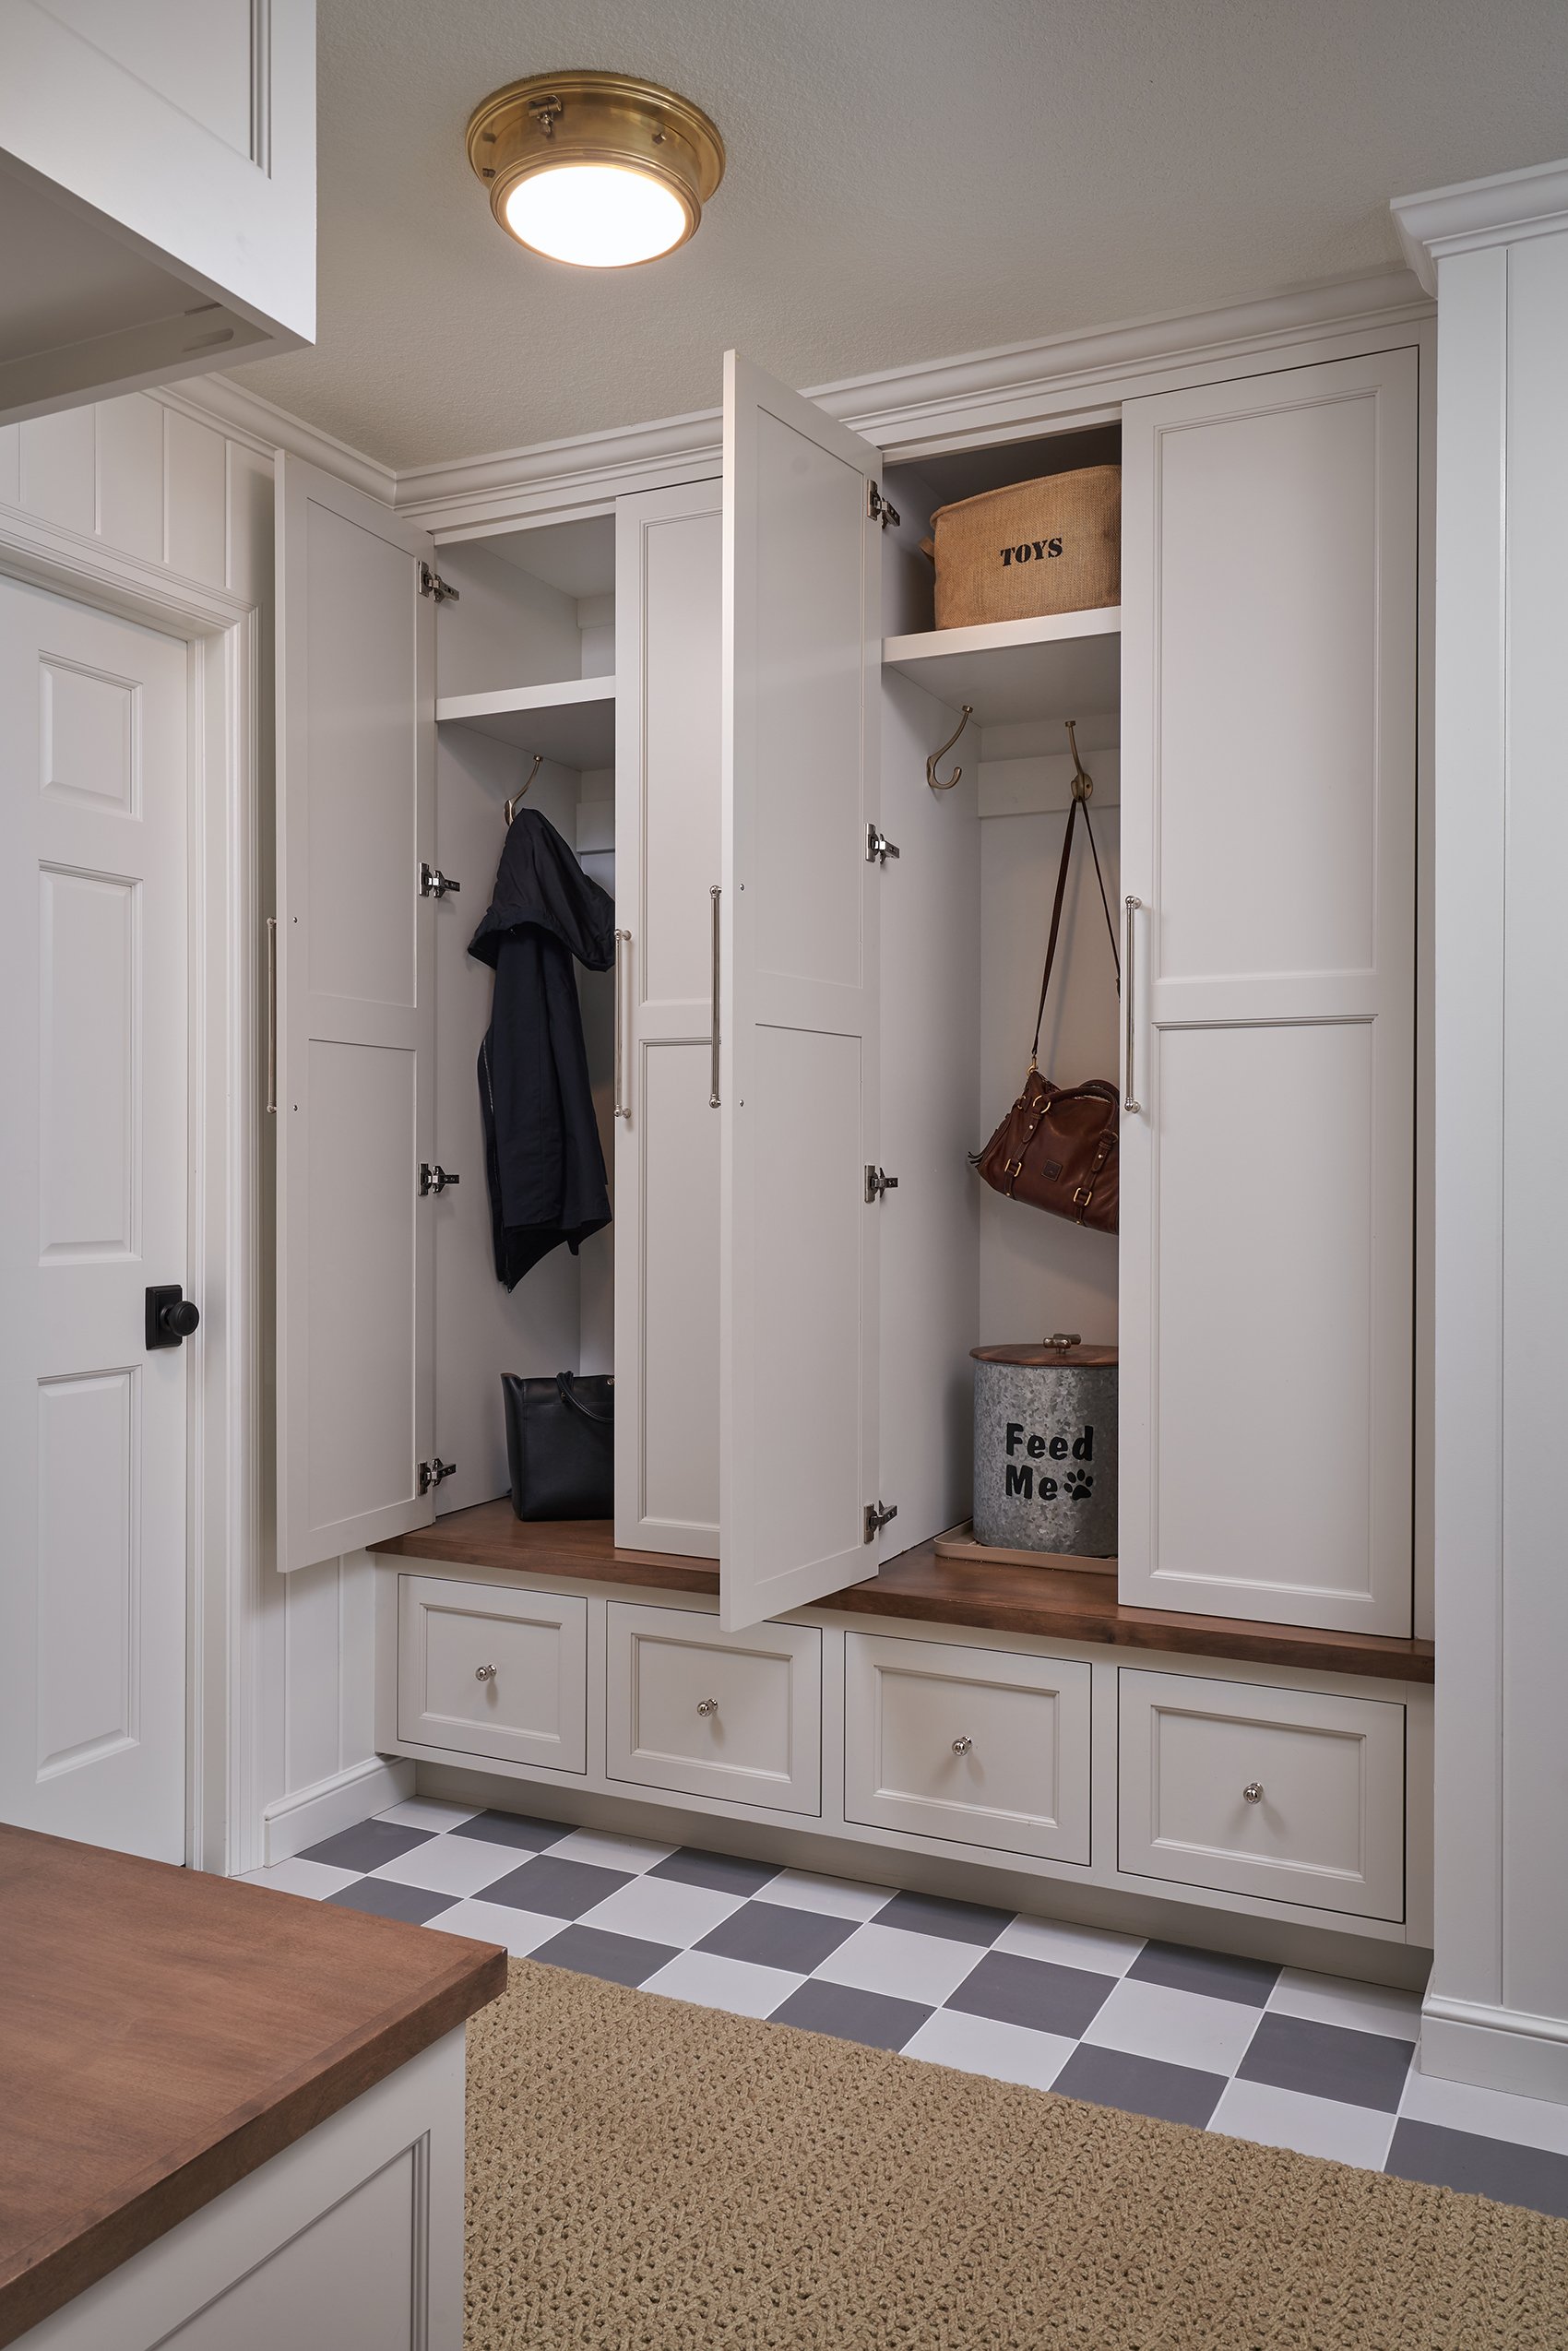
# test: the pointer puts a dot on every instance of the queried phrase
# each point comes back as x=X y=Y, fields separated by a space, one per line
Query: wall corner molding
x=245 y=417
x=291 y=1823
x=1496 y=2048
x=1503 y=209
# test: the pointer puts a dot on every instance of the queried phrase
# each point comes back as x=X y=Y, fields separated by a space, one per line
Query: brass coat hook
x=945 y=783
x=517 y=798
x=1083 y=783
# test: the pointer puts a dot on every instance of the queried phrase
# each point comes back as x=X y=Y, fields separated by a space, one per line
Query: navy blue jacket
x=543 y=1154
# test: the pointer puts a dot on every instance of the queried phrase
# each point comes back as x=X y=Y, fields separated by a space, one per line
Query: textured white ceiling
x=907 y=179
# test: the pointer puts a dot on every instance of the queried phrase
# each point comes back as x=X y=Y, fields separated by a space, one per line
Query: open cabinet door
x=798 y=1003
x=356 y=765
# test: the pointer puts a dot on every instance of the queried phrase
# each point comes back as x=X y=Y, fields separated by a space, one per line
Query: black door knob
x=171 y=1315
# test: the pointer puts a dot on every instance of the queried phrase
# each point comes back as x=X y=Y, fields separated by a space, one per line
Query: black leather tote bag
x=561 y=1445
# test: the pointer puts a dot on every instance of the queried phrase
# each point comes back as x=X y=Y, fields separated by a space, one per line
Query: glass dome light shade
x=596 y=216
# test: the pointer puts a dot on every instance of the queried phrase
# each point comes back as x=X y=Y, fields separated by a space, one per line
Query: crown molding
x=1503 y=209
x=908 y=411
x=243 y=416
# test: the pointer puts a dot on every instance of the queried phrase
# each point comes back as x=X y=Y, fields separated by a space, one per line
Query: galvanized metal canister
x=1045 y=1447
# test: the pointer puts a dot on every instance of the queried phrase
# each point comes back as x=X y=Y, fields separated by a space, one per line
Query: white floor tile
x=910 y=1966
x=1337 y=1999
x=710 y=1981
x=1492 y=2114
x=299 y=1876
x=662 y=1910
x=520 y=1930
x=429 y=1812
x=1183 y=2028
x=1089 y=1947
x=607 y=1852
x=1312 y=2126
x=980 y=2044
x=452 y=1865
x=830 y=1897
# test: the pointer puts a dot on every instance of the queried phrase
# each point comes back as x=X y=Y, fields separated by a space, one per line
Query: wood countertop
x=163 y=2032
x=1058 y=1604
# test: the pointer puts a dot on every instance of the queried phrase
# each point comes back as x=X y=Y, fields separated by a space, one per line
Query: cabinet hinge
x=879 y=849
x=433 y=884
x=432 y=584
x=881 y=509
x=434 y=1178
x=877 y=1516
x=433 y=1472
x=877 y=1183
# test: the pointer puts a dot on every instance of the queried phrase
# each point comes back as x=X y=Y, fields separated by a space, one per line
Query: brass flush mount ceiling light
x=596 y=169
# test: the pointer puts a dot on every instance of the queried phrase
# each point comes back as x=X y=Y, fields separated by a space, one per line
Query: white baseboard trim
x=310 y=1813
x=1496 y=2048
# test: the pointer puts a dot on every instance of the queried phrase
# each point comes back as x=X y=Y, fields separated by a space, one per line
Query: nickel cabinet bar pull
x=623 y=1107
x=272 y=1013
x=1129 y=999
x=713 y=1103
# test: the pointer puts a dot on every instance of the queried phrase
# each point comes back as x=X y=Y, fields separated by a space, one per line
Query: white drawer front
x=733 y=1714
x=485 y=1670
x=1288 y=1793
x=981 y=1746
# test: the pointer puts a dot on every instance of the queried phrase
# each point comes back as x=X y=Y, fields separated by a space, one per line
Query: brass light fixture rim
x=503 y=124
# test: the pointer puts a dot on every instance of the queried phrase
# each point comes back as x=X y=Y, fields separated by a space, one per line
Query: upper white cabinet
x=159 y=191
x=356 y=757
x=798 y=1005
x=1268 y=777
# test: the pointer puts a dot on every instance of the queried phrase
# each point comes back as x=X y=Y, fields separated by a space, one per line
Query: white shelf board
x=1068 y=666
x=572 y=722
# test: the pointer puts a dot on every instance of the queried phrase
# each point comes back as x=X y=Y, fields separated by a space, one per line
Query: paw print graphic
x=1078 y=1485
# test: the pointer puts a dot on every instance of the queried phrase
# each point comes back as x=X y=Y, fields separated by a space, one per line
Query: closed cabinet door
x=1268 y=778
x=734 y=1716
x=668 y=572
x=798 y=1009
x=93 y=1147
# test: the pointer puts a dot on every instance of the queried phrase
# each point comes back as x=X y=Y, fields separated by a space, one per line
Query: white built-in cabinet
x=792 y=1009
x=157 y=192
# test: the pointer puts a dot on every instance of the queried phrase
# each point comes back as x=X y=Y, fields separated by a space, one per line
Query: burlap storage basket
x=1035 y=546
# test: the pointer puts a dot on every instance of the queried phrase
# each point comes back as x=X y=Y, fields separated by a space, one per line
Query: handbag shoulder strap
x=1056 y=914
x=566 y=1389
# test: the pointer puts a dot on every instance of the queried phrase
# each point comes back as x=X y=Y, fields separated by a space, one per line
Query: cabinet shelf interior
x=572 y=721
x=1068 y=665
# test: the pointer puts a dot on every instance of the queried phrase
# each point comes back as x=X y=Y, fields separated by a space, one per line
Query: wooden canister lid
x=1040 y=1352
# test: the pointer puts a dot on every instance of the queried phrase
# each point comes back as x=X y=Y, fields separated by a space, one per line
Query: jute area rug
x=644 y=2175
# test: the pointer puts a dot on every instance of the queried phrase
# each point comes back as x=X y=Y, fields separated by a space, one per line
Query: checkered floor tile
x=1273 y=2054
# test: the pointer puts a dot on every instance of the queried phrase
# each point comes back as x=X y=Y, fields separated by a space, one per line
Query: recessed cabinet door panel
x=979 y=1746
x=798 y=1452
x=355 y=1004
x=1269 y=773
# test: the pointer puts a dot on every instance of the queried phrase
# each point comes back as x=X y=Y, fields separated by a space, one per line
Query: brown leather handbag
x=1056 y=1147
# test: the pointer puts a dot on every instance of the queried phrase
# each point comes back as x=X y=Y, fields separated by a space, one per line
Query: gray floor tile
x=1328 y=2061
x=1217 y=1973
x=724 y=1872
x=774 y=1936
x=556 y=1889
x=1033 y=1992
x=1140 y=2085
x=1494 y=2168
x=386 y=1899
x=933 y=1914
x=593 y=1951
x=514 y=1828
x=366 y=1846
x=852 y=2015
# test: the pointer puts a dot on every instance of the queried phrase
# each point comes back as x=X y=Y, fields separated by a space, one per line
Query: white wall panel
x=194 y=486
x=130 y=474
x=59 y=467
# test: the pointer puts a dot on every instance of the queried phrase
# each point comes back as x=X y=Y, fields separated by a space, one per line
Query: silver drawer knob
x=708 y=1706
x=485 y=1673
x=961 y=1746
x=1253 y=1792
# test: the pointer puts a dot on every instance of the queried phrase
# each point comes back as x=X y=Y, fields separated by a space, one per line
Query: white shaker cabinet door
x=667 y=575
x=797 y=1005
x=159 y=161
x=1268 y=777
x=356 y=748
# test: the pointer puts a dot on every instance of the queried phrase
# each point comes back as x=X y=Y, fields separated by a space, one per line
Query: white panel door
x=1269 y=600
x=93 y=1067
x=356 y=749
x=668 y=578
x=798 y=1060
